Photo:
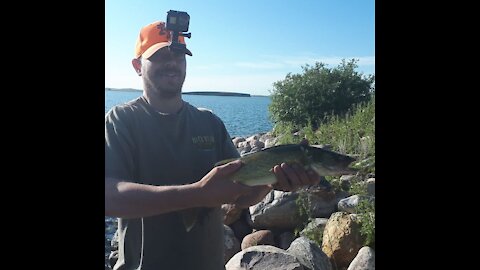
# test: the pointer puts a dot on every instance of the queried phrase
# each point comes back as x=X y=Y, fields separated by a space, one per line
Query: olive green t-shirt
x=148 y=147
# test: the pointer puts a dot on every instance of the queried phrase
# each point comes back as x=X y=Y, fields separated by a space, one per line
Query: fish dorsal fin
x=225 y=161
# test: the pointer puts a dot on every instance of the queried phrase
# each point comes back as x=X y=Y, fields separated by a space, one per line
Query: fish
x=256 y=166
x=255 y=169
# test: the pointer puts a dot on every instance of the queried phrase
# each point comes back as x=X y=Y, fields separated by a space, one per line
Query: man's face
x=164 y=72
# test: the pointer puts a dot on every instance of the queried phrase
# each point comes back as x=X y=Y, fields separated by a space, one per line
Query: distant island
x=213 y=93
x=200 y=93
x=123 y=89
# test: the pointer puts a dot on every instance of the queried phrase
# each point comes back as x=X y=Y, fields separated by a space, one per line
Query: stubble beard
x=171 y=91
x=165 y=89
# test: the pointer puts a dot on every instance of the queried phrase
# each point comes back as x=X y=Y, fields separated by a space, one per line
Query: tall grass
x=353 y=133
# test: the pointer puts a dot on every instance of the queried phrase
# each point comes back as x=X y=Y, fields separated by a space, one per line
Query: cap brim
x=155 y=47
x=187 y=51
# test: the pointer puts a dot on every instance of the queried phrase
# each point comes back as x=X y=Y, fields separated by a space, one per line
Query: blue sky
x=245 y=46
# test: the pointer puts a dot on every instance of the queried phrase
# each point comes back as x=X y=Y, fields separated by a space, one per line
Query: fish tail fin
x=189 y=217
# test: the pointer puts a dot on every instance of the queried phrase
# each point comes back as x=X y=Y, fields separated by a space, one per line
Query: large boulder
x=263 y=258
x=278 y=210
x=309 y=254
x=342 y=239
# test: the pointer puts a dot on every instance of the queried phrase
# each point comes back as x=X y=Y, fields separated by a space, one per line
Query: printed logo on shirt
x=204 y=142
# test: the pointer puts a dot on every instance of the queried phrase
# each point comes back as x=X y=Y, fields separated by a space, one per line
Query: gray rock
x=270 y=142
x=285 y=239
x=263 y=258
x=323 y=204
x=231 y=243
x=258 y=144
x=277 y=210
x=253 y=137
x=309 y=254
x=242 y=227
x=365 y=260
x=316 y=224
x=237 y=140
x=349 y=204
x=371 y=186
x=262 y=237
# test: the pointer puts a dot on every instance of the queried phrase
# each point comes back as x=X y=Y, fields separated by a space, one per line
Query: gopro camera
x=178 y=22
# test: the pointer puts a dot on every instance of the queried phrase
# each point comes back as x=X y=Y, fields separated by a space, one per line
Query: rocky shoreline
x=264 y=235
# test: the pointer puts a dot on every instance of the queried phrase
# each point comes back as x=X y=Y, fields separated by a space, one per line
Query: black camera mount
x=178 y=22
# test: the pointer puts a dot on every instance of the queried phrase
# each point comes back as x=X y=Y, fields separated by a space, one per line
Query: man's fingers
x=282 y=179
x=302 y=174
x=292 y=176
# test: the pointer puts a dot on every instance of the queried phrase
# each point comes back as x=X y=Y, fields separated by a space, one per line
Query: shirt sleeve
x=119 y=145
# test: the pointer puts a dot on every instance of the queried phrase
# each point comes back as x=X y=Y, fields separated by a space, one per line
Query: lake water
x=243 y=116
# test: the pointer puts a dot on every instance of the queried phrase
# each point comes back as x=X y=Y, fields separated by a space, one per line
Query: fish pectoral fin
x=225 y=161
x=189 y=217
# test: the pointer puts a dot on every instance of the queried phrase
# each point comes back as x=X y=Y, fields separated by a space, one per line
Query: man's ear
x=137 y=65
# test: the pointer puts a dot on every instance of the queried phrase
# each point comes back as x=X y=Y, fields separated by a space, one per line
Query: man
x=159 y=162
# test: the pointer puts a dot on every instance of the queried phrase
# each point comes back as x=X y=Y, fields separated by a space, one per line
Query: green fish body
x=256 y=167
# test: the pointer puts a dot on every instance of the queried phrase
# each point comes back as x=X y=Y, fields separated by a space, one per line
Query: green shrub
x=309 y=98
x=366 y=210
x=304 y=212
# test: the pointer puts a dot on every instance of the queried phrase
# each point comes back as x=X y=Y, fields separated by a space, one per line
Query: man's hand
x=290 y=177
x=218 y=189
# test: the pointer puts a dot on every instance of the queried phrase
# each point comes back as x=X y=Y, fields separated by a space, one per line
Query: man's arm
x=133 y=200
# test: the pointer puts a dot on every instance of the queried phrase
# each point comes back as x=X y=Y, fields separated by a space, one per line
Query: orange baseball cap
x=154 y=37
